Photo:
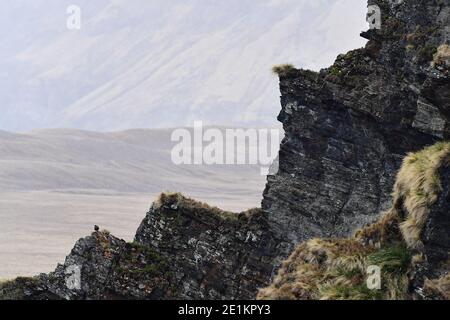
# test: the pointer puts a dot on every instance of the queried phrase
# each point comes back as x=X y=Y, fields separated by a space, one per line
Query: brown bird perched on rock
x=96 y=228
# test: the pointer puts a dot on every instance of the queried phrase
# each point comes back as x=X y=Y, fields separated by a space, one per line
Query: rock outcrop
x=348 y=129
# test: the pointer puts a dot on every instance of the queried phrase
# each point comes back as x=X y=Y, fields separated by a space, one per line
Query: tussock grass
x=335 y=269
x=439 y=287
x=13 y=289
x=394 y=259
x=4 y=282
x=283 y=69
x=386 y=230
x=318 y=269
x=417 y=188
x=353 y=292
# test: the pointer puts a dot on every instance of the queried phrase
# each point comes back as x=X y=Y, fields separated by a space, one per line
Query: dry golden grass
x=283 y=69
x=14 y=289
x=418 y=187
x=442 y=56
x=439 y=287
x=382 y=232
x=179 y=201
x=7 y=282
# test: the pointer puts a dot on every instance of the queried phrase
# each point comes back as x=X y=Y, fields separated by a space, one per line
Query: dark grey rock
x=349 y=127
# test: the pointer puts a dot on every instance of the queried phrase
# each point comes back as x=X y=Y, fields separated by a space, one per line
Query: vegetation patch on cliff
x=178 y=202
x=417 y=188
x=13 y=289
x=336 y=269
x=439 y=287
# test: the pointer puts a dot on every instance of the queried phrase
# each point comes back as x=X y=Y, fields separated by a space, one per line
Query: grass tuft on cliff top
x=283 y=69
x=442 y=56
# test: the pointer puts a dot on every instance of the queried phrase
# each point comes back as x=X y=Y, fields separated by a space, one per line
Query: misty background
x=86 y=115
x=156 y=63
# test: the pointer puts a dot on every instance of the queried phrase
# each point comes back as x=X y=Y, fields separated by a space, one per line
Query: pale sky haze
x=158 y=63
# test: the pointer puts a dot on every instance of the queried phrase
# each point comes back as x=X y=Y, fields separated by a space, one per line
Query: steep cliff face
x=349 y=126
x=409 y=245
x=348 y=129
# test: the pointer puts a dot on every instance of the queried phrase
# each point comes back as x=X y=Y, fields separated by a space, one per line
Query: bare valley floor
x=38 y=229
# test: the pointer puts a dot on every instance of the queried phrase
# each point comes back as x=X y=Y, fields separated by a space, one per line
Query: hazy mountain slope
x=158 y=63
x=128 y=161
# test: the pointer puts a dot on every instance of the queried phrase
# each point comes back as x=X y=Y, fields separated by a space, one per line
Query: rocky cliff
x=348 y=130
x=182 y=250
x=348 y=127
